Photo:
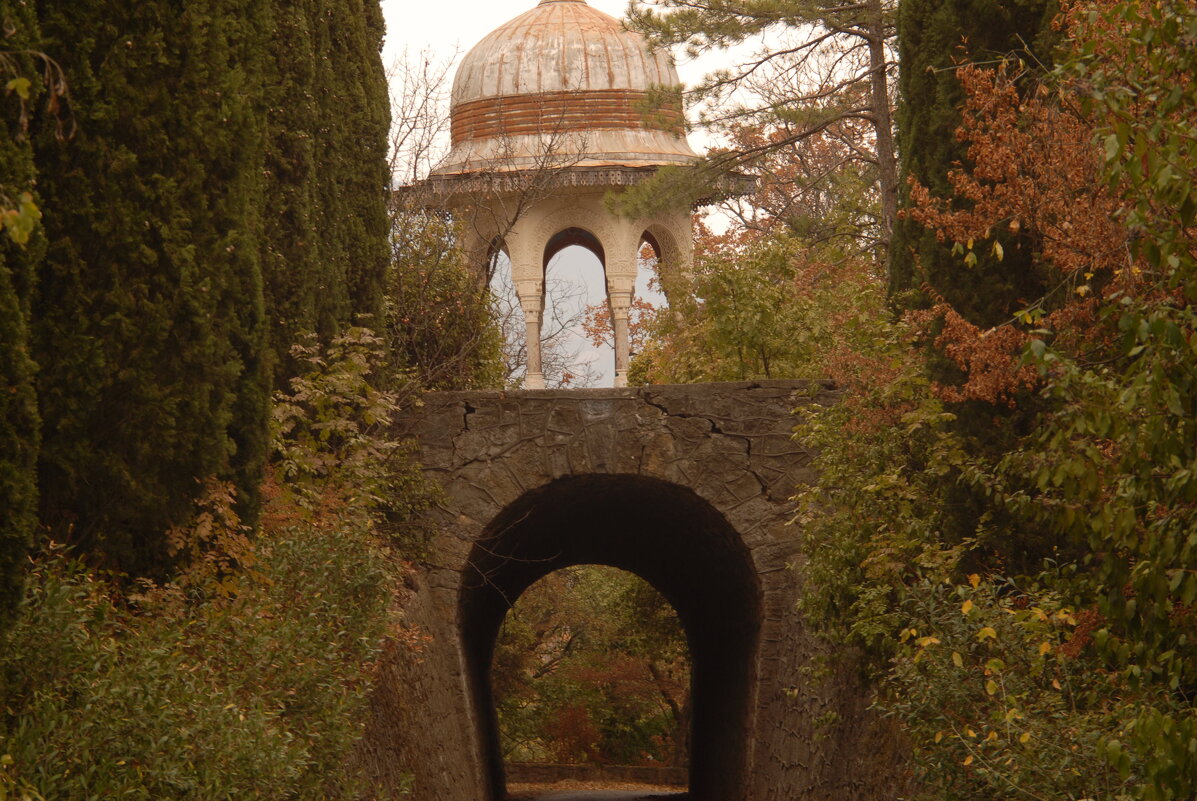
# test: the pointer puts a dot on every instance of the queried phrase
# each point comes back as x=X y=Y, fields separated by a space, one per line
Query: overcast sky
x=448 y=25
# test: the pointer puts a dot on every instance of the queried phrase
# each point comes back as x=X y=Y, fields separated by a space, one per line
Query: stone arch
x=696 y=469
x=672 y=538
x=674 y=247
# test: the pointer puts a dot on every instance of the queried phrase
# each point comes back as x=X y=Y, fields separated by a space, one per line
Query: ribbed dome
x=570 y=76
x=560 y=46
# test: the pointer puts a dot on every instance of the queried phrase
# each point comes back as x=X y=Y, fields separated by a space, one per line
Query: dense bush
x=324 y=244
x=226 y=190
x=245 y=675
x=1025 y=584
x=438 y=319
x=934 y=37
x=1000 y=689
x=148 y=321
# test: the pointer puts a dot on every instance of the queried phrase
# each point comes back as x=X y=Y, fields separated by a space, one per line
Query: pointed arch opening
x=571 y=237
x=575 y=266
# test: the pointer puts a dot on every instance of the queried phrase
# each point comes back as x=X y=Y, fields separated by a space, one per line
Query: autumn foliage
x=591 y=667
x=1013 y=538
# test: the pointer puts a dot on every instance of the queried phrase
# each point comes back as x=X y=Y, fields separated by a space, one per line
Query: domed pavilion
x=550 y=112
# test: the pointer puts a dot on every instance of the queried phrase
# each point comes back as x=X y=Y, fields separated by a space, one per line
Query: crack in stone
x=715 y=429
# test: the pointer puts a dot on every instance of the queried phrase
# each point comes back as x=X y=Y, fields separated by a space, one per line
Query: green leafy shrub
x=1002 y=695
x=246 y=675
x=243 y=686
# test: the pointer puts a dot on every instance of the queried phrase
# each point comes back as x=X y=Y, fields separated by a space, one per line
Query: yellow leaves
x=924 y=642
x=1045 y=648
x=20 y=222
x=968 y=760
x=998 y=252
x=1025 y=737
x=20 y=85
x=938 y=736
x=991 y=687
x=987 y=632
x=975 y=580
x=957 y=659
x=970 y=732
x=966 y=607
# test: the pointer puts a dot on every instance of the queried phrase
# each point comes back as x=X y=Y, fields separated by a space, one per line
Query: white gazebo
x=551 y=112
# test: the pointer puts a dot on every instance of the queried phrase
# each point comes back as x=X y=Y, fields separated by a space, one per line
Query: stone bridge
x=688 y=487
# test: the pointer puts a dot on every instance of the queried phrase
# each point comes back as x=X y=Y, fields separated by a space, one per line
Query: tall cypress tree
x=933 y=37
x=326 y=243
x=149 y=313
x=293 y=269
x=18 y=402
x=352 y=149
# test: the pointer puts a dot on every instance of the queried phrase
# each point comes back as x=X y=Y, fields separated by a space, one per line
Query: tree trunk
x=887 y=167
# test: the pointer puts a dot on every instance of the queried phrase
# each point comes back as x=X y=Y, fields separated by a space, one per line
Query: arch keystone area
x=687 y=487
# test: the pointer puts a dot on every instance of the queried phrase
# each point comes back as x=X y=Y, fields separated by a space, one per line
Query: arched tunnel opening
x=667 y=535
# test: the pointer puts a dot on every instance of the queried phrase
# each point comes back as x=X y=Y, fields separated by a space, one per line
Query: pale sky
x=446 y=25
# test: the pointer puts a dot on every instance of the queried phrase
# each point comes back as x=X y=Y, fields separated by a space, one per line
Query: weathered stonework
x=687 y=486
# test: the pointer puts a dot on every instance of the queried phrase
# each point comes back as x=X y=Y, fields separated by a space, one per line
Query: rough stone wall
x=730 y=443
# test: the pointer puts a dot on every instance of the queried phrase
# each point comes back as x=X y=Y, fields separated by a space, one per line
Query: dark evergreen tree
x=298 y=290
x=352 y=150
x=325 y=246
x=18 y=402
x=933 y=37
x=148 y=316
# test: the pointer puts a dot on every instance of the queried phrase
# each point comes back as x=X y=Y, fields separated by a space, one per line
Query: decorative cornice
x=462 y=188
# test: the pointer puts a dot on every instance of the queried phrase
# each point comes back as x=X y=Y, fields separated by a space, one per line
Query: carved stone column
x=532 y=301
x=619 y=293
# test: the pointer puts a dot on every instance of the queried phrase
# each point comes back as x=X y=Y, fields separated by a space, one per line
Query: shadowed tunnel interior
x=670 y=537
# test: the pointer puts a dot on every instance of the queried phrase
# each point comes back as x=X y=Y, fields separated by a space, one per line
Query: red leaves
x=1036 y=173
x=990 y=358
